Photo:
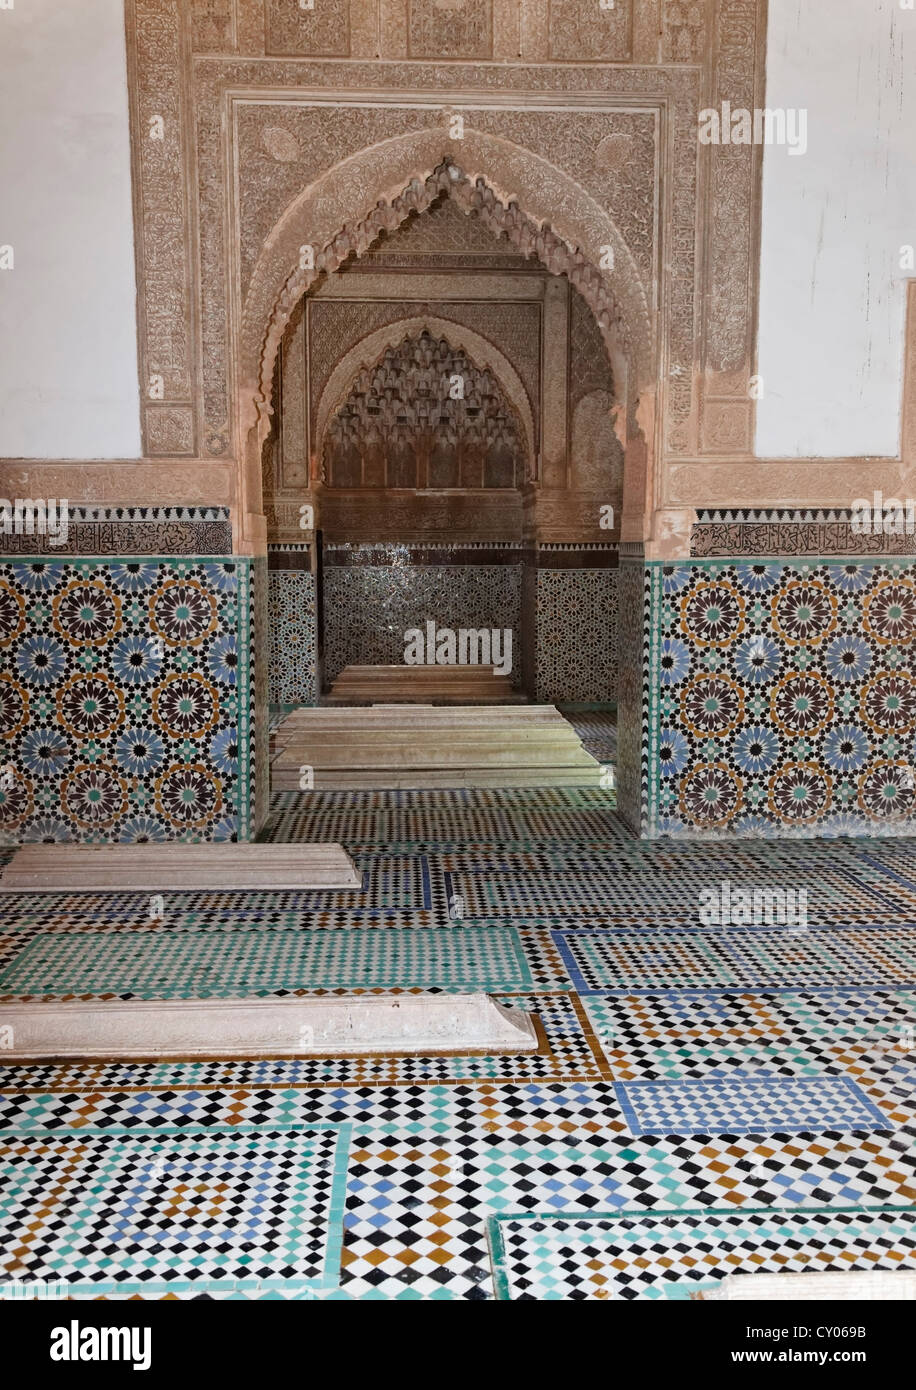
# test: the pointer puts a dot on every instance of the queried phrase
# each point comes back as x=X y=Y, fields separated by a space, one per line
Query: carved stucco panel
x=589 y=368
x=514 y=329
x=726 y=426
x=580 y=32
x=273 y=171
x=733 y=207
x=320 y=32
x=450 y=28
x=162 y=231
x=685 y=31
x=169 y=429
x=293 y=415
x=213 y=25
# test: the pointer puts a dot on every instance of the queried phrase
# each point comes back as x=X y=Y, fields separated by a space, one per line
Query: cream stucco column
x=554 y=451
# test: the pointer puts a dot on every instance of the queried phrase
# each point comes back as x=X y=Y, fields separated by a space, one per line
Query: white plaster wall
x=68 y=338
x=832 y=291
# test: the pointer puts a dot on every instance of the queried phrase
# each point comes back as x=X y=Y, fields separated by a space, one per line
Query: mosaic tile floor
x=705 y=1099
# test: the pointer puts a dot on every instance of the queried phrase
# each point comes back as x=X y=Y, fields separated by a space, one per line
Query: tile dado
x=126 y=699
x=368 y=608
x=576 y=635
x=292 y=633
x=779 y=697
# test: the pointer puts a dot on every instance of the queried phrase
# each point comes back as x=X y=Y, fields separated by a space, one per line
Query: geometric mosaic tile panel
x=221 y=964
x=748 y=1105
x=368 y=608
x=292 y=638
x=638 y=1255
x=576 y=645
x=798 y=1033
x=782 y=697
x=164 y=1210
x=439 y=1144
x=416 y=1204
x=620 y=895
x=511 y=818
x=628 y=961
x=125 y=699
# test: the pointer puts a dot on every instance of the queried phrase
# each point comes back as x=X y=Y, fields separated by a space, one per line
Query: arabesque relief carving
x=581 y=151
x=424 y=416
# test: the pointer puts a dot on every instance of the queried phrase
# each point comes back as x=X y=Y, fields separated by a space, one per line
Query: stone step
x=396 y=714
x=444 y=779
x=406 y=756
x=412 y=684
x=176 y=867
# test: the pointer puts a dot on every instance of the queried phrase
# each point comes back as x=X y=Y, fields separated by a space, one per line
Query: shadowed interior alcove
x=418 y=390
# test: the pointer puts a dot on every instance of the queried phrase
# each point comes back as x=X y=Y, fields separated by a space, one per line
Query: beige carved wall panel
x=595 y=456
x=589 y=369
x=169 y=429
x=160 y=122
x=732 y=230
x=123 y=482
x=685 y=32
x=293 y=453
x=444 y=236
x=322 y=31
x=575 y=140
x=581 y=121
x=726 y=426
x=594 y=32
x=450 y=29
x=213 y=26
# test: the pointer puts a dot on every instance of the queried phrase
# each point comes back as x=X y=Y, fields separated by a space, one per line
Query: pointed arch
x=334 y=218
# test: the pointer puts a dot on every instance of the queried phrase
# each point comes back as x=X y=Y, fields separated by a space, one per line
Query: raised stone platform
x=187 y=1028
x=446 y=685
x=171 y=867
x=428 y=746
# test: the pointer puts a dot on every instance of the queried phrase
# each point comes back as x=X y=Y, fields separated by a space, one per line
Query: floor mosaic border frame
x=676 y=1216
x=129 y=1186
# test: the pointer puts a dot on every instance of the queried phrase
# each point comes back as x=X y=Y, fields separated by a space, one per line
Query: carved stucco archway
x=541 y=210
x=370 y=349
